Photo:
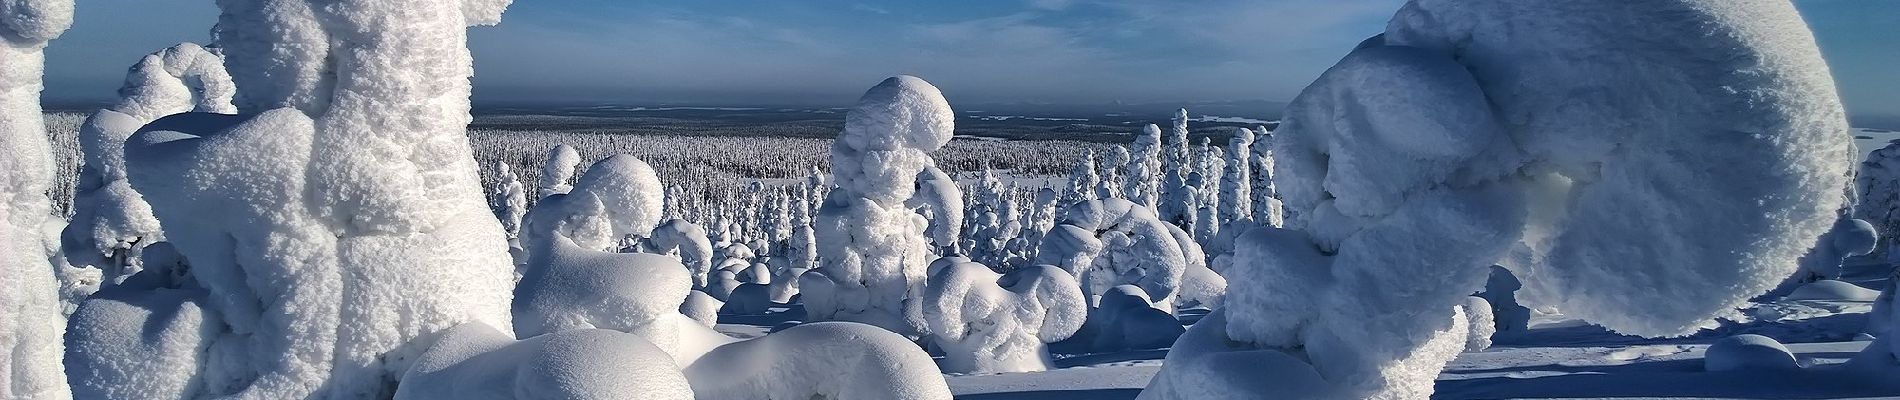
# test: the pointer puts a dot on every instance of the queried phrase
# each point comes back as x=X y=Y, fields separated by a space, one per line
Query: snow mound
x=748 y=299
x=1748 y=352
x=569 y=288
x=630 y=191
x=140 y=340
x=1482 y=324
x=558 y=171
x=828 y=360
x=1833 y=290
x=702 y=307
x=1201 y=287
x=1126 y=320
x=1200 y=366
x=988 y=322
x=688 y=241
x=477 y=361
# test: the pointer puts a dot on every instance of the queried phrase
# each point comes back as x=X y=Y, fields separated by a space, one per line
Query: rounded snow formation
x=559 y=170
x=827 y=360
x=1482 y=324
x=31 y=323
x=690 y=242
x=1110 y=242
x=569 y=288
x=630 y=191
x=702 y=308
x=1748 y=352
x=1726 y=184
x=1127 y=320
x=1848 y=237
x=477 y=361
x=1202 y=365
x=139 y=341
x=748 y=299
x=873 y=246
x=987 y=322
x=939 y=200
x=1833 y=290
x=1201 y=287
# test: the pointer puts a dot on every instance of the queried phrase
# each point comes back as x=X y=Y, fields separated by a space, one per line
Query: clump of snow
x=748 y=299
x=702 y=307
x=477 y=361
x=1482 y=324
x=828 y=360
x=31 y=319
x=143 y=339
x=1126 y=319
x=1111 y=242
x=1500 y=290
x=940 y=201
x=1201 y=287
x=690 y=243
x=1832 y=290
x=558 y=171
x=1748 y=352
x=1847 y=238
x=630 y=191
x=873 y=248
x=989 y=322
x=1142 y=184
x=567 y=287
x=510 y=200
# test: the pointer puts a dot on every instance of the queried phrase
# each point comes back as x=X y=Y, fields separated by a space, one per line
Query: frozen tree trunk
x=31 y=322
x=361 y=231
x=872 y=247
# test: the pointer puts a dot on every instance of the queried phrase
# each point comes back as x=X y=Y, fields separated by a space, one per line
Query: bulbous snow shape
x=577 y=217
x=510 y=200
x=1847 y=238
x=748 y=299
x=1642 y=128
x=143 y=339
x=1112 y=242
x=940 y=201
x=987 y=322
x=722 y=284
x=246 y=222
x=873 y=248
x=1499 y=292
x=31 y=319
x=1201 y=287
x=1482 y=324
x=784 y=286
x=828 y=360
x=477 y=361
x=689 y=240
x=1202 y=360
x=630 y=191
x=1127 y=320
x=1832 y=290
x=558 y=170
x=568 y=287
x=702 y=307
x=1748 y=352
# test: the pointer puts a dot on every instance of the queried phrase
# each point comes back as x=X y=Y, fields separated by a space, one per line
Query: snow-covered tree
x=1409 y=165
x=1106 y=243
x=1236 y=184
x=511 y=200
x=872 y=248
x=1083 y=181
x=1142 y=182
x=630 y=190
x=824 y=360
x=1879 y=187
x=990 y=322
x=689 y=242
x=1267 y=207
x=348 y=196
x=31 y=321
x=557 y=173
x=939 y=201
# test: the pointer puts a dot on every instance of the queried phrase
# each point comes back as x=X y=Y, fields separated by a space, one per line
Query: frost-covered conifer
x=31 y=322
x=1267 y=207
x=940 y=201
x=557 y=174
x=511 y=200
x=1236 y=184
x=990 y=322
x=1082 y=181
x=873 y=248
x=1142 y=184
x=1106 y=243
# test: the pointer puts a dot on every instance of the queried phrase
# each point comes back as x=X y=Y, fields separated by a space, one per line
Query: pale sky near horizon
x=827 y=51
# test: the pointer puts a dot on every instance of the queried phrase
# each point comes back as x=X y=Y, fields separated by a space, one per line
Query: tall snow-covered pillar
x=873 y=249
x=31 y=322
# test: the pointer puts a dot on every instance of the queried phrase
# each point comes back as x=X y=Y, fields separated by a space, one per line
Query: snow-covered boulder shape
x=702 y=307
x=822 y=360
x=1748 y=352
x=1408 y=166
x=722 y=284
x=1500 y=290
x=477 y=361
x=940 y=201
x=987 y=322
x=557 y=173
x=350 y=197
x=1482 y=325
x=111 y=222
x=688 y=241
x=872 y=248
x=510 y=201
x=748 y=299
x=568 y=287
x=31 y=320
x=1847 y=238
x=1201 y=287
x=1127 y=320
x=1832 y=290
x=141 y=339
x=577 y=217
x=630 y=191
x=1112 y=242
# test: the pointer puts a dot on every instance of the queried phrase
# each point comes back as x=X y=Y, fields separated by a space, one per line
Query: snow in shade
x=350 y=195
x=128 y=341
x=1126 y=319
x=823 y=360
x=1482 y=324
x=31 y=318
x=1748 y=352
x=558 y=172
x=987 y=322
x=477 y=361
x=873 y=248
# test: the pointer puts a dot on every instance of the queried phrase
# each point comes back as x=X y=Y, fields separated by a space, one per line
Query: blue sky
x=828 y=51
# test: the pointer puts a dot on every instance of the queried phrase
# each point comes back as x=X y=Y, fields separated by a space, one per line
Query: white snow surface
x=479 y=362
x=31 y=319
x=630 y=191
x=1111 y=242
x=829 y=360
x=990 y=322
x=559 y=170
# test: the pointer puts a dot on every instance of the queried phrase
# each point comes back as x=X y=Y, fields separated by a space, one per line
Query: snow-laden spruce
x=348 y=196
x=510 y=200
x=1236 y=183
x=1412 y=163
x=989 y=322
x=1142 y=180
x=873 y=248
x=1878 y=183
x=1267 y=207
x=557 y=173
x=31 y=321
x=1106 y=243
x=940 y=201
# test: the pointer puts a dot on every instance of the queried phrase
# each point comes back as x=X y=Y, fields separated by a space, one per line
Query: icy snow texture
x=824 y=360
x=1236 y=184
x=872 y=247
x=558 y=171
x=478 y=362
x=1482 y=324
x=988 y=322
x=1725 y=100
x=1112 y=242
x=140 y=340
x=31 y=322
x=1748 y=352
x=343 y=226
x=630 y=191
x=689 y=242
